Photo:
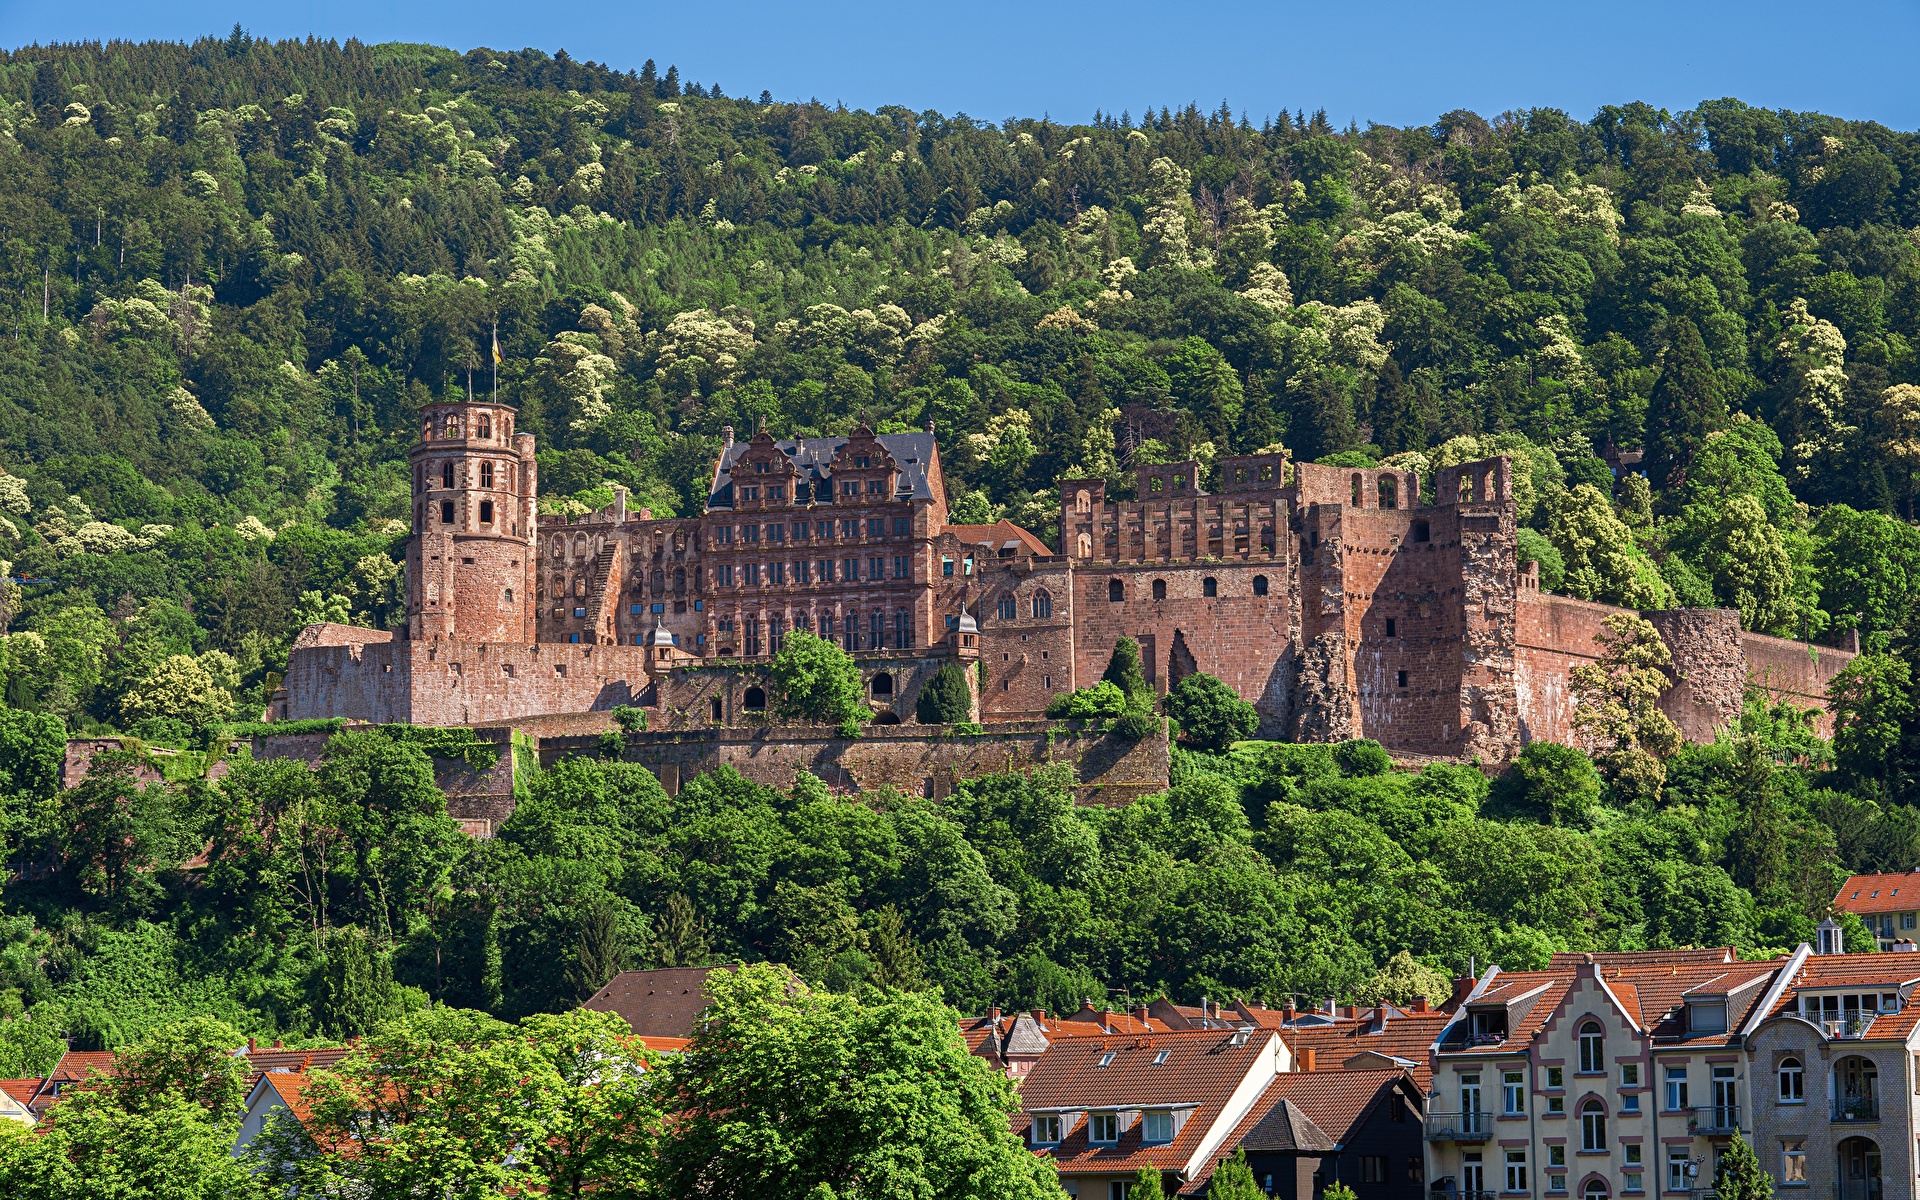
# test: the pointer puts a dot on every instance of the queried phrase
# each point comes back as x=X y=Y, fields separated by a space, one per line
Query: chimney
x=1086 y=1005
x=252 y=1045
x=993 y=1014
x=726 y=434
x=1419 y=1004
x=1462 y=988
x=1306 y=1059
x=1287 y=1011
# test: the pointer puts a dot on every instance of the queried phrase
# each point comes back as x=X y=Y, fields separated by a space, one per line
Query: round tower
x=470 y=563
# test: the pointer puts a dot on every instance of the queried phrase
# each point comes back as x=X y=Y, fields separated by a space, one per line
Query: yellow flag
x=496 y=347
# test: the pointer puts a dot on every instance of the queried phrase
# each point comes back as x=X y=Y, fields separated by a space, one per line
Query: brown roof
x=20 y=1089
x=1876 y=971
x=1893 y=891
x=998 y=535
x=1406 y=1035
x=1688 y=957
x=278 y=1060
x=1310 y=1112
x=1202 y=1068
x=665 y=1002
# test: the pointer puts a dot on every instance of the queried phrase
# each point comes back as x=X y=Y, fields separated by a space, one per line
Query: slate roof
x=812 y=458
x=1893 y=891
x=1202 y=1069
x=662 y=1003
x=1311 y=1112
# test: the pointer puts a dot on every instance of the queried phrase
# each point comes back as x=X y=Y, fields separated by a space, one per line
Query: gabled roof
x=1201 y=1072
x=998 y=536
x=1892 y=891
x=1285 y=1129
x=1874 y=972
x=661 y=1003
x=1404 y=1035
x=1311 y=1112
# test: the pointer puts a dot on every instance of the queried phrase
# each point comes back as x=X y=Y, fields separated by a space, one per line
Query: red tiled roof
x=1688 y=957
x=1893 y=891
x=278 y=1060
x=997 y=535
x=1878 y=972
x=20 y=1089
x=1406 y=1035
x=1203 y=1068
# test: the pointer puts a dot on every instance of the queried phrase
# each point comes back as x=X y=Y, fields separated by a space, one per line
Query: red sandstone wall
x=1553 y=635
x=1794 y=671
x=460 y=683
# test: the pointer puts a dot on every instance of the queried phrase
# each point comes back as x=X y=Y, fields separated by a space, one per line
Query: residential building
x=1601 y=1076
x=1888 y=903
x=665 y=1002
x=14 y=1097
x=1357 y=1127
x=1834 y=1079
x=1105 y=1108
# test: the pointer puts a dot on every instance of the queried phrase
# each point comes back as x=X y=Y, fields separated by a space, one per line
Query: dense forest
x=230 y=271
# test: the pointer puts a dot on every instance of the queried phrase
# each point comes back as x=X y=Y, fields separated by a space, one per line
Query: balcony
x=1458 y=1127
x=1848 y=1029
x=1716 y=1120
x=1856 y=1108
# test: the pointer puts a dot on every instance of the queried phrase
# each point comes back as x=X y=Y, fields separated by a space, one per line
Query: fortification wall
x=459 y=683
x=1794 y=671
x=1552 y=635
x=918 y=761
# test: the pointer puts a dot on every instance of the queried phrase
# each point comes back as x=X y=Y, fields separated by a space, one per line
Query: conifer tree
x=1685 y=408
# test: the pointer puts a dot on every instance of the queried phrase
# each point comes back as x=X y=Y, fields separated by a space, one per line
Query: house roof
x=279 y=1061
x=20 y=1089
x=1878 y=972
x=1202 y=1069
x=1404 y=1035
x=1688 y=957
x=1311 y=1112
x=812 y=458
x=998 y=536
x=662 y=1003
x=1892 y=891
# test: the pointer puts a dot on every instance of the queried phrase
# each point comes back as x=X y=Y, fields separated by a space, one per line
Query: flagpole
x=496 y=360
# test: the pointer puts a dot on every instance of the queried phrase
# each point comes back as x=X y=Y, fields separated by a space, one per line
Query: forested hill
x=230 y=271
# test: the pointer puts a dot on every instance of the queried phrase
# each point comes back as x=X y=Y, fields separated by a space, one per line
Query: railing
x=1716 y=1118
x=1847 y=1028
x=1455 y=1194
x=1856 y=1108
x=1458 y=1126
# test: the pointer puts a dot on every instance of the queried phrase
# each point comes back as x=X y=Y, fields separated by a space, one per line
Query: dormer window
x=1103 y=1129
x=1707 y=1016
x=1157 y=1127
x=759 y=468
x=1490 y=1025
x=863 y=462
x=1046 y=1130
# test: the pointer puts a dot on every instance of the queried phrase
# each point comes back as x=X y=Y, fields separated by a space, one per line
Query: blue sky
x=1392 y=62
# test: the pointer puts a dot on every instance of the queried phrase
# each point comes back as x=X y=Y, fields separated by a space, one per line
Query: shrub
x=1211 y=714
x=1101 y=701
x=818 y=681
x=1125 y=672
x=945 y=699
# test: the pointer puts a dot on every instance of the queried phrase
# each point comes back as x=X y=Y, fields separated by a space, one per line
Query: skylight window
x=1161 y=1058
x=1106 y=1060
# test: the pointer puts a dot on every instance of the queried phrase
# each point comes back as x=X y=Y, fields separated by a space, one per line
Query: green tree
x=1125 y=672
x=1404 y=980
x=1211 y=714
x=1146 y=1185
x=1548 y=783
x=1233 y=1180
x=1747 y=561
x=818 y=681
x=1685 y=408
x=792 y=1093
x=352 y=986
x=946 y=698
x=1602 y=560
x=1872 y=701
x=1617 y=706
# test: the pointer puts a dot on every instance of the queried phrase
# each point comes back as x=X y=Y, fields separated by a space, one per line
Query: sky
x=1389 y=61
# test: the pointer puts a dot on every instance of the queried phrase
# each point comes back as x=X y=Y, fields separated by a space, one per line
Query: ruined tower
x=470 y=564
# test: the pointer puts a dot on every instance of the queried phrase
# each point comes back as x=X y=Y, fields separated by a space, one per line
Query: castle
x=1336 y=600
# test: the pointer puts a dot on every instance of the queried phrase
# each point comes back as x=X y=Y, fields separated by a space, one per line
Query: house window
x=1907 y=920
x=946 y=564
x=1513 y=1092
x=1593 y=1126
x=1106 y=1059
x=1104 y=1128
x=486 y=512
x=1592 y=1049
x=1630 y=1103
x=485 y=426
x=446 y=475
x=486 y=474
x=1629 y=1074
x=1159 y=589
x=1042 y=604
x=1209 y=587
x=1793 y=1160
x=1373 y=1168
x=1392 y=627
x=1516 y=1170
x=1158 y=1127
x=1793 y=1082
x=1419 y=532
x=1678 y=1164
x=1259 y=585
x=1046 y=1131
x=1676 y=1088
x=1399 y=679
x=1007 y=608
x=1116 y=591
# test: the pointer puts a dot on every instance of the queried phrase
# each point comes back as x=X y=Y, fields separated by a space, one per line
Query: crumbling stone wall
x=1709 y=669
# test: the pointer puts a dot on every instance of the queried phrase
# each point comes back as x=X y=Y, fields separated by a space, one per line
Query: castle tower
x=470 y=566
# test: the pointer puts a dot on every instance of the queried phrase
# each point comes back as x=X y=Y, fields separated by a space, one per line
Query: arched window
x=1085 y=544
x=1082 y=501
x=1856 y=1088
x=1593 y=1125
x=446 y=475
x=1259 y=585
x=1008 y=608
x=754 y=701
x=1042 y=604
x=485 y=425
x=1596 y=1189
x=1466 y=489
x=1389 y=494
x=1116 y=591
x=882 y=684
x=1793 y=1081
x=1209 y=587
x=1159 y=589
x=1593 y=1049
